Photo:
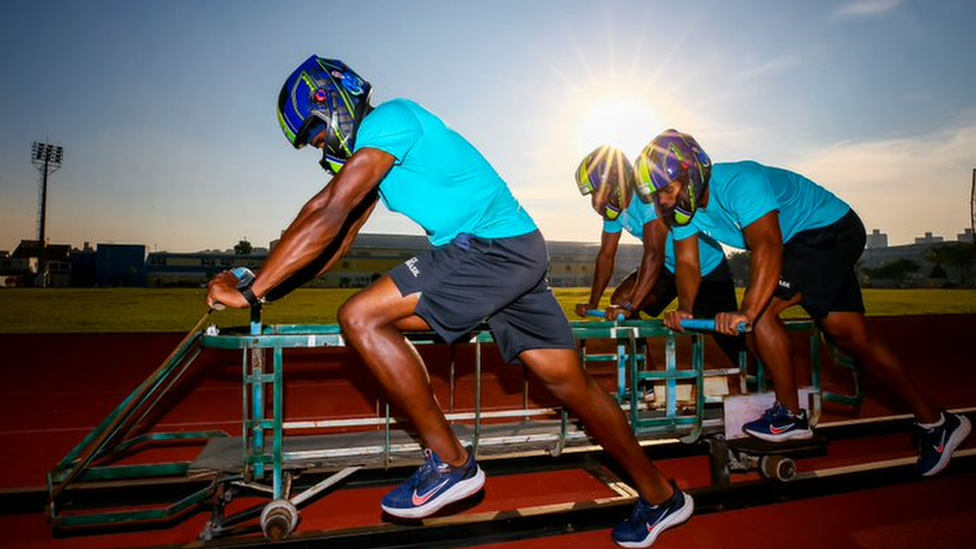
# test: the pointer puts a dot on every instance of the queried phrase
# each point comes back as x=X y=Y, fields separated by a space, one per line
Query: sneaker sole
x=459 y=491
x=672 y=520
x=799 y=434
x=954 y=441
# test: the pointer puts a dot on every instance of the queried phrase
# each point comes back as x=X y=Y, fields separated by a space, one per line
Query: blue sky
x=166 y=108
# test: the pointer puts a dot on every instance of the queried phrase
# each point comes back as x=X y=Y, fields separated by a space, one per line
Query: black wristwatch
x=252 y=300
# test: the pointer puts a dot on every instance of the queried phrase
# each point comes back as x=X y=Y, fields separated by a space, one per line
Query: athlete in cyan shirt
x=805 y=243
x=489 y=263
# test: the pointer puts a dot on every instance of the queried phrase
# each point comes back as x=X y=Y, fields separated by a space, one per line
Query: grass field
x=28 y=310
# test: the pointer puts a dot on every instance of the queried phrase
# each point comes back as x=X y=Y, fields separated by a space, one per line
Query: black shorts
x=716 y=294
x=502 y=281
x=819 y=263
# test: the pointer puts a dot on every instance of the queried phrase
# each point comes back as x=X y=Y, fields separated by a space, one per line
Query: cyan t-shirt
x=740 y=193
x=439 y=180
x=639 y=214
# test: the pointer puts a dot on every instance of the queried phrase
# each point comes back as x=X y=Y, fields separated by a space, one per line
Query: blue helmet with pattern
x=674 y=156
x=607 y=175
x=324 y=95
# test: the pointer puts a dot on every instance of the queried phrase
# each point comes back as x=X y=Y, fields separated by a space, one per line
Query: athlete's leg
x=775 y=349
x=849 y=332
x=372 y=322
x=716 y=294
x=560 y=371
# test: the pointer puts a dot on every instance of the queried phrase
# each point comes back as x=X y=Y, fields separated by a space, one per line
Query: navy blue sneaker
x=935 y=445
x=647 y=521
x=433 y=486
x=778 y=424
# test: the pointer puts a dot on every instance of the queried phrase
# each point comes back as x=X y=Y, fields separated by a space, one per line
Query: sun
x=627 y=123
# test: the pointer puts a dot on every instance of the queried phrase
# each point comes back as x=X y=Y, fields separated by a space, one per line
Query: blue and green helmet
x=606 y=173
x=324 y=95
x=674 y=156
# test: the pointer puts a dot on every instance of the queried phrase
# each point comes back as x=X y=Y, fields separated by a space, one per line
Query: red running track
x=59 y=387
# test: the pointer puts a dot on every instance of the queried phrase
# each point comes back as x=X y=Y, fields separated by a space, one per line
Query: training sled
x=274 y=456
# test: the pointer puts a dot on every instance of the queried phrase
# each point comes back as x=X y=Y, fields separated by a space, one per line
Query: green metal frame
x=631 y=360
x=119 y=435
x=817 y=340
x=263 y=435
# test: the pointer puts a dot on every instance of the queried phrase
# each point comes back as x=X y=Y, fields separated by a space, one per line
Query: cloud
x=904 y=186
x=868 y=8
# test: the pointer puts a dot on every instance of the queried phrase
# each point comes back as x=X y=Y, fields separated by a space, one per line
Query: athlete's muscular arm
x=349 y=232
x=654 y=240
x=323 y=219
x=687 y=274
x=333 y=252
x=602 y=271
x=766 y=242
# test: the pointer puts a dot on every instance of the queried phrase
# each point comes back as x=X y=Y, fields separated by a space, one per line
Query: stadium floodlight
x=47 y=158
x=47 y=154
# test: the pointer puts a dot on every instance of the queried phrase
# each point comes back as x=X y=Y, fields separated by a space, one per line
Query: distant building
x=876 y=239
x=919 y=253
x=193 y=269
x=370 y=257
x=56 y=260
x=120 y=265
x=571 y=264
x=928 y=239
x=966 y=236
x=373 y=255
x=13 y=272
x=83 y=267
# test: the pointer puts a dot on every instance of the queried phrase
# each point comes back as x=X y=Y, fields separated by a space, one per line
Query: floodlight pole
x=47 y=158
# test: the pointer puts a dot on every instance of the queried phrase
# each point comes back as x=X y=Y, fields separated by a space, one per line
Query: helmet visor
x=310 y=131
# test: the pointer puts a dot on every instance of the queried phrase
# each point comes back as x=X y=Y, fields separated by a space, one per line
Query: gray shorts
x=502 y=281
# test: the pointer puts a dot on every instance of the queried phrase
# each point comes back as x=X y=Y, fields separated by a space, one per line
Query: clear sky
x=166 y=109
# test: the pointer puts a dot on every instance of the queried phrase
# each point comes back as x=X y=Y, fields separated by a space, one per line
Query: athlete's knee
x=354 y=318
x=570 y=387
x=768 y=323
x=847 y=332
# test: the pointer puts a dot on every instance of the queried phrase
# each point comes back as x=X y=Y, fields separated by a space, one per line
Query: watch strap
x=253 y=300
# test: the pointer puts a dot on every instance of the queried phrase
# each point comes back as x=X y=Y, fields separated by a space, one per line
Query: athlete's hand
x=223 y=289
x=582 y=309
x=615 y=312
x=728 y=323
x=672 y=319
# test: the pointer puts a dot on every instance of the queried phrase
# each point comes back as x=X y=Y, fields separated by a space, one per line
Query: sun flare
x=626 y=123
